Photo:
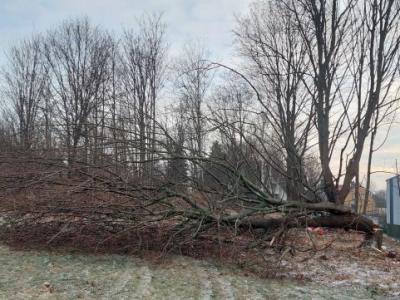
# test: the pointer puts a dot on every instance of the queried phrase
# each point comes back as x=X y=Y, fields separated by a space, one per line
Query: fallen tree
x=161 y=202
x=275 y=129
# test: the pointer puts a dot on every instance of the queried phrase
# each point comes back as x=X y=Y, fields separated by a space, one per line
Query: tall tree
x=143 y=64
x=26 y=81
x=192 y=84
x=338 y=36
x=271 y=43
x=77 y=56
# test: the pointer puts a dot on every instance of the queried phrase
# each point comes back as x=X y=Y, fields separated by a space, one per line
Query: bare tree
x=378 y=65
x=339 y=35
x=77 y=57
x=26 y=81
x=193 y=82
x=143 y=65
x=272 y=44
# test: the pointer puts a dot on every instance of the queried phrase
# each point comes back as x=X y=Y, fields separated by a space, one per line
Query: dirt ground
x=340 y=261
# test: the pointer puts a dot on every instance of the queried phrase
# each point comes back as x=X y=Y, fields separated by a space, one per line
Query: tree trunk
x=349 y=221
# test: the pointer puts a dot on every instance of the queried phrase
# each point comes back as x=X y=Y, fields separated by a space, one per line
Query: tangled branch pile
x=91 y=135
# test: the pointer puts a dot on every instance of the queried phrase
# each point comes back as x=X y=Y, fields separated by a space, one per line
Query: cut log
x=350 y=221
x=355 y=222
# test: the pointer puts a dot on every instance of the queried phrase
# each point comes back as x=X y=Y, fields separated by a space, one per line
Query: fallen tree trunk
x=335 y=217
x=355 y=222
x=345 y=221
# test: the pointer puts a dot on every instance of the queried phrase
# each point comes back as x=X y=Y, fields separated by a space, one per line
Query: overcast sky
x=208 y=21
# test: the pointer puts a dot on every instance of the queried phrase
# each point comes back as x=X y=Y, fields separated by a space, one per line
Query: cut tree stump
x=378 y=238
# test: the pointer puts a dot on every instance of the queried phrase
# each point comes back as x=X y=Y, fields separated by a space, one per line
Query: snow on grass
x=206 y=292
x=43 y=275
x=144 y=287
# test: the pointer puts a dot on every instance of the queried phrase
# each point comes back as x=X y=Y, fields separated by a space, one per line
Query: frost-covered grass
x=43 y=275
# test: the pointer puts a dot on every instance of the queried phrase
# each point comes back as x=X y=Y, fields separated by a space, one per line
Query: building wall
x=392 y=230
x=392 y=201
x=350 y=200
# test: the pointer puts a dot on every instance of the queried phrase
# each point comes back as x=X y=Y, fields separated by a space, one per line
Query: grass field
x=43 y=275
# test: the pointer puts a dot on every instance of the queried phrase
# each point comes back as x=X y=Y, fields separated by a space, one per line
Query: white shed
x=393 y=200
